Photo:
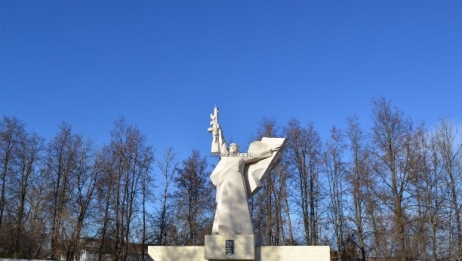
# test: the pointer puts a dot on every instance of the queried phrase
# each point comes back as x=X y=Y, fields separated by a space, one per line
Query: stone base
x=264 y=253
x=174 y=253
x=293 y=253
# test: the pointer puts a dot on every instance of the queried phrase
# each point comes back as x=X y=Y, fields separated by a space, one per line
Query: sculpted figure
x=237 y=176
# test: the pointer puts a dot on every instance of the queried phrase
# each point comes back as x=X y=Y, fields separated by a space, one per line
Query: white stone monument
x=238 y=176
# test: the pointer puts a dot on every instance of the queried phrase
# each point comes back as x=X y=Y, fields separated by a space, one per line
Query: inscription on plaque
x=229 y=247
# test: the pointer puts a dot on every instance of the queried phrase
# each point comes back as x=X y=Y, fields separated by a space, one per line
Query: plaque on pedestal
x=230 y=247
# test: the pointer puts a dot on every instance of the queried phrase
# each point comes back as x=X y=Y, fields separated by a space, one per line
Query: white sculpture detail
x=238 y=176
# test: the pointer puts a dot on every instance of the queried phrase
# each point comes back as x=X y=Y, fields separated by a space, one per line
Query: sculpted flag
x=255 y=172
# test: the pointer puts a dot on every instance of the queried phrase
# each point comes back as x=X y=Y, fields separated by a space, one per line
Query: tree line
x=392 y=191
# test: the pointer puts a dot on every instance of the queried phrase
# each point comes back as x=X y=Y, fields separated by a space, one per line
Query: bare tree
x=38 y=218
x=427 y=194
x=336 y=171
x=124 y=168
x=358 y=180
x=81 y=199
x=106 y=189
x=163 y=221
x=147 y=196
x=391 y=133
x=62 y=164
x=11 y=133
x=448 y=148
x=31 y=147
x=193 y=200
x=304 y=160
x=20 y=155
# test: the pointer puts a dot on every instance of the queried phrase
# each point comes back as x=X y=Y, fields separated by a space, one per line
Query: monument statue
x=238 y=176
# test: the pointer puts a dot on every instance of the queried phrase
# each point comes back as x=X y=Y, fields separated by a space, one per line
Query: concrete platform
x=264 y=253
x=174 y=253
x=293 y=253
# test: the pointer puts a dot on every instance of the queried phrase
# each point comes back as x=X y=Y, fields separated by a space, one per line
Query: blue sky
x=163 y=65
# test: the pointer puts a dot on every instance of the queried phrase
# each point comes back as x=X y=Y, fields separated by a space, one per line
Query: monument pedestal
x=238 y=247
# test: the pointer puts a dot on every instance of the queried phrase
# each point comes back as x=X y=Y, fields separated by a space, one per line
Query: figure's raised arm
x=218 y=140
x=222 y=141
